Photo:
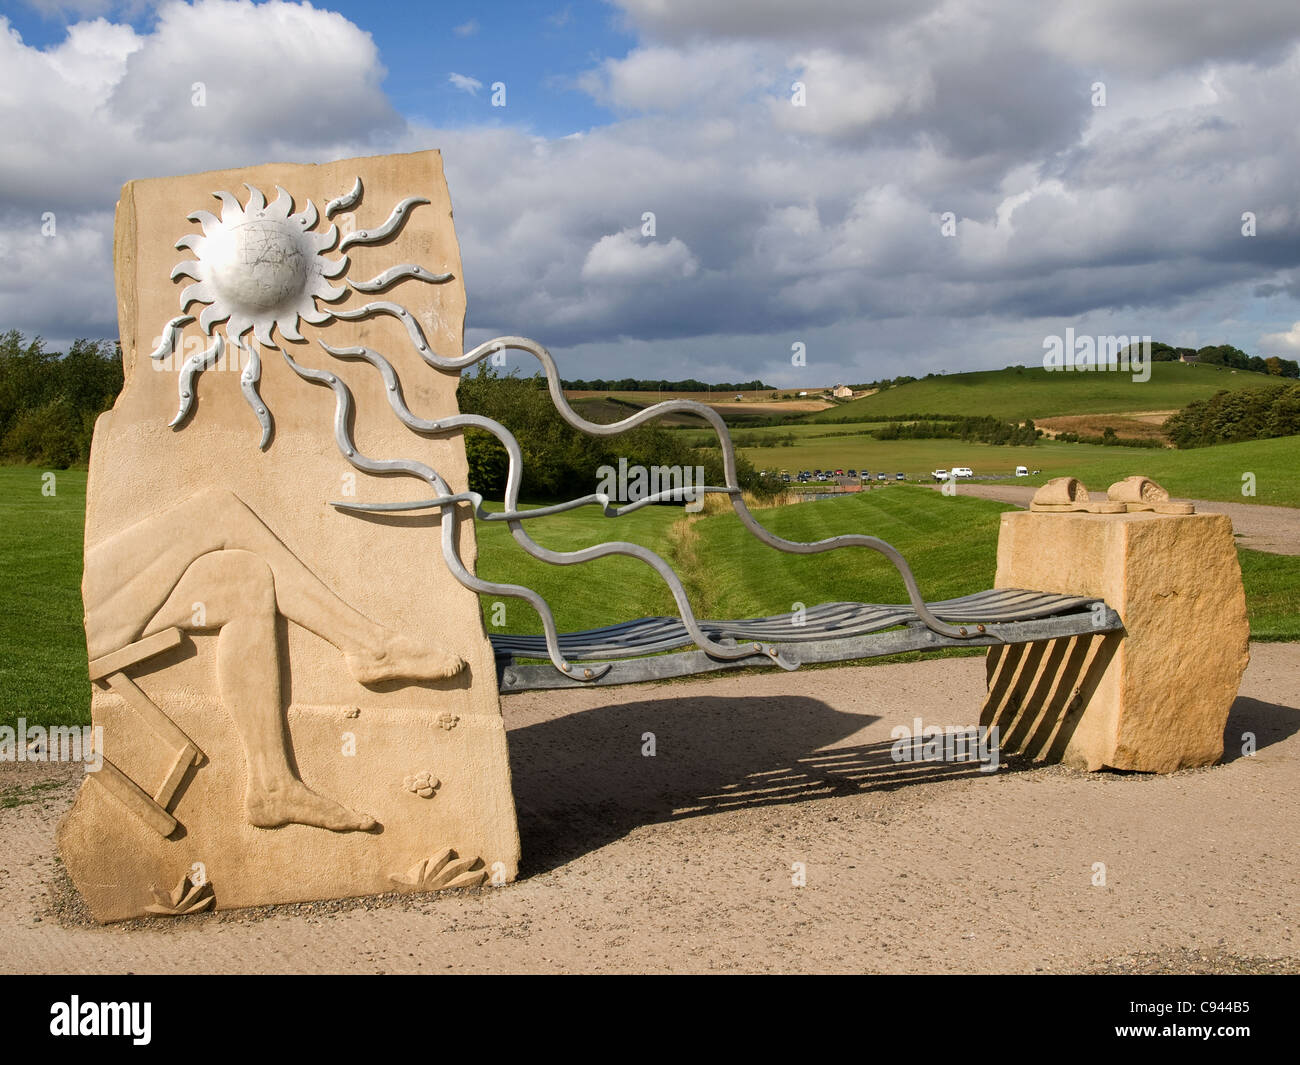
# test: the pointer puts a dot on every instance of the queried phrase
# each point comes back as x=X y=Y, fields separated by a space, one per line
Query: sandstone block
x=298 y=702
x=1154 y=699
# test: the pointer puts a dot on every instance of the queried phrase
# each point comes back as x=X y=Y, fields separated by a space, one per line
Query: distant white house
x=842 y=392
x=803 y=394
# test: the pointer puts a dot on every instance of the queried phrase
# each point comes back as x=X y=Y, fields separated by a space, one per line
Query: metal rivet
x=963 y=631
x=565 y=667
x=586 y=673
x=980 y=627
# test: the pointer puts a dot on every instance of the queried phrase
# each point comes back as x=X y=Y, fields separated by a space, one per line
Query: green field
x=1197 y=473
x=949 y=542
x=581 y=597
x=43 y=673
x=1038 y=393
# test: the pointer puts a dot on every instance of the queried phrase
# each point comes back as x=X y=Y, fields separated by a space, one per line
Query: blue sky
x=776 y=223
x=537 y=49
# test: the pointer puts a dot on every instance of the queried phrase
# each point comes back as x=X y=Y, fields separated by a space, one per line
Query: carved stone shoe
x=1139 y=493
x=1066 y=495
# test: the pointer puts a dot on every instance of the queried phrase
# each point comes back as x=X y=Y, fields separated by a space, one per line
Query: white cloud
x=844 y=95
x=772 y=225
x=626 y=256
x=466 y=29
x=108 y=104
x=1288 y=341
x=465 y=83
x=704 y=78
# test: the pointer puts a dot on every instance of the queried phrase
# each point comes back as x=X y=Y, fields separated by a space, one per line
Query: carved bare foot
x=297 y=804
x=401 y=658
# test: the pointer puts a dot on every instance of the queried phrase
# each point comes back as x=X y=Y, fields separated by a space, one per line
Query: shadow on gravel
x=1268 y=723
x=582 y=781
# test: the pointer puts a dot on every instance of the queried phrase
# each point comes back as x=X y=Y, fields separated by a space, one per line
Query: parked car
x=962 y=471
x=939 y=475
x=852 y=473
x=900 y=477
x=882 y=477
x=1022 y=471
x=839 y=473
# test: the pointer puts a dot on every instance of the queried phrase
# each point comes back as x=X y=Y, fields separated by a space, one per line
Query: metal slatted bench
x=831 y=632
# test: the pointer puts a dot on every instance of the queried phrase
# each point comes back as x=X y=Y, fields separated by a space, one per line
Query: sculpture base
x=437 y=784
x=1154 y=699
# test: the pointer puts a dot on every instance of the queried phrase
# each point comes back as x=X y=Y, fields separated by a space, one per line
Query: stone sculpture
x=273 y=673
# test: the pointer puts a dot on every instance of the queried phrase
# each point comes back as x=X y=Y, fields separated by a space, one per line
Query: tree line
x=49 y=400
x=1230 y=417
x=981 y=430
x=632 y=384
x=559 y=462
x=1227 y=355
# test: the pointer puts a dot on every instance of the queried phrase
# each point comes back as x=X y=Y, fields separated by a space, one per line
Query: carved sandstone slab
x=1155 y=699
x=298 y=702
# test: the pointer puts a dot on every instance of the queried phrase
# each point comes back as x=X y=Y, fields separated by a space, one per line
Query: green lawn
x=42 y=644
x=736 y=576
x=950 y=543
x=582 y=597
x=1038 y=393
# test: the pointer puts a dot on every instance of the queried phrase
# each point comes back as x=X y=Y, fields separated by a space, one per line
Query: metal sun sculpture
x=261 y=267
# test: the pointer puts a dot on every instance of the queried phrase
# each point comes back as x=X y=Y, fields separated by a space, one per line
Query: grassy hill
x=1039 y=393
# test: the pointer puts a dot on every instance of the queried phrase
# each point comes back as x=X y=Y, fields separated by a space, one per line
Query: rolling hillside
x=1038 y=393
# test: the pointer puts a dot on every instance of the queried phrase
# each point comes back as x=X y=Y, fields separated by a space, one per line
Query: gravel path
x=685 y=861
x=1263 y=528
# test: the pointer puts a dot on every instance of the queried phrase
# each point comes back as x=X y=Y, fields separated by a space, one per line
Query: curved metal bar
x=249 y=377
x=391 y=225
x=343 y=437
x=395 y=274
x=170 y=333
x=194 y=366
x=345 y=202
x=654 y=411
x=512 y=518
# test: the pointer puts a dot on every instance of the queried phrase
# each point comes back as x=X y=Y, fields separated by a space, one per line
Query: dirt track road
x=1263 y=528
x=686 y=861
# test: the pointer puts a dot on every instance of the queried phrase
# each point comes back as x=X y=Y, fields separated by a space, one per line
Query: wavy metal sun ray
x=187 y=385
x=170 y=334
x=394 y=274
x=514 y=517
x=345 y=202
x=390 y=227
x=651 y=413
x=249 y=378
x=343 y=437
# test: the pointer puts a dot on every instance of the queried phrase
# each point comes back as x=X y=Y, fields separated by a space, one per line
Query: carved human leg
x=237 y=589
x=130 y=575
